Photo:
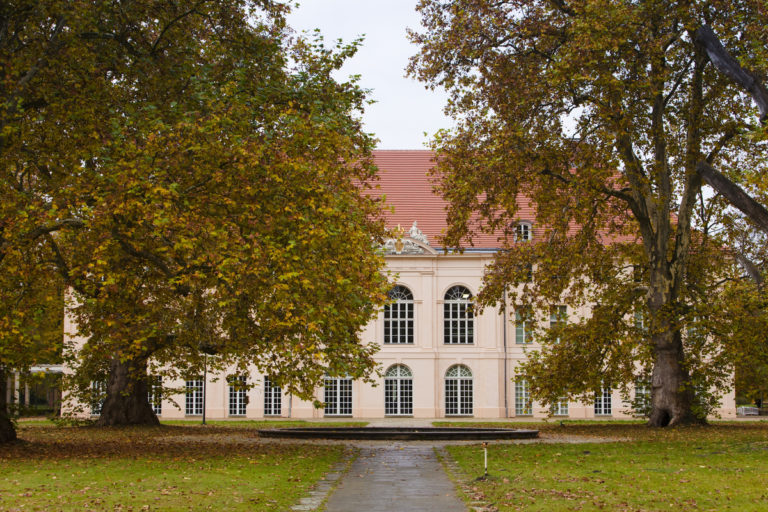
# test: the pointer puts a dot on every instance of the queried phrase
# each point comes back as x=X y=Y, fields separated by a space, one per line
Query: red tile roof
x=403 y=180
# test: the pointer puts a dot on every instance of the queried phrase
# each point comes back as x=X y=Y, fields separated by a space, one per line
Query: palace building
x=438 y=358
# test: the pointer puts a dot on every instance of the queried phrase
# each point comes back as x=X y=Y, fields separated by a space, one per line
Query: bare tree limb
x=750 y=268
x=734 y=194
x=730 y=67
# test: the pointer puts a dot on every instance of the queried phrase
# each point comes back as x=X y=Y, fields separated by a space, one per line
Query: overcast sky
x=404 y=109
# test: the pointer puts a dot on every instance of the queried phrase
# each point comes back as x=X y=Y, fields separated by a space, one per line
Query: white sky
x=404 y=109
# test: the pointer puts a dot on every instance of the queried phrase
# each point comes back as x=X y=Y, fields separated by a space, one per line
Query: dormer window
x=523 y=232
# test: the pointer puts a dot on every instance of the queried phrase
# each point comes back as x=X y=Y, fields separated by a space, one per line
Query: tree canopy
x=194 y=173
x=599 y=112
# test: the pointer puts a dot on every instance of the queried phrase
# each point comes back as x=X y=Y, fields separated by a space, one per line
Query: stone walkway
x=396 y=477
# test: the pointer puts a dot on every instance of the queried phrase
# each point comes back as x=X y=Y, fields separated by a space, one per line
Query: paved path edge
x=322 y=489
x=461 y=482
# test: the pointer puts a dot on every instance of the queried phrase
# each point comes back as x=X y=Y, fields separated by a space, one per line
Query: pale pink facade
x=428 y=276
x=485 y=385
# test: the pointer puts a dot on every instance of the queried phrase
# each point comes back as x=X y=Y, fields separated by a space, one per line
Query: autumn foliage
x=193 y=173
x=599 y=112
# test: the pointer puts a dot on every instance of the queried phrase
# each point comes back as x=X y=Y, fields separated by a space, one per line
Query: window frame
x=399 y=317
x=273 y=398
x=193 y=398
x=558 y=317
x=340 y=390
x=398 y=391
x=604 y=402
x=98 y=395
x=458 y=316
x=522 y=324
x=459 y=388
x=155 y=393
x=523 y=231
x=560 y=408
x=523 y=402
x=641 y=404
x=237 y=405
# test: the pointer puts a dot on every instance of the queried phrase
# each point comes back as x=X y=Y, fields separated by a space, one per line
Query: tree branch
x=172 y=23
x=563 y=7
x=63 y=267
x=726 y=64
x=734 y=194
x=750 y=268
x=141 y=254
x=50 y=228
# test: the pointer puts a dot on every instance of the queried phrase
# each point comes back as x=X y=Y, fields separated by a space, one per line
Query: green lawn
x=720 y=467
x=262 y=424
x=161 y=468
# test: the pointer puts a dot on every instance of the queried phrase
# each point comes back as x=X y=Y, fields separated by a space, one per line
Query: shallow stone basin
x=400 y=433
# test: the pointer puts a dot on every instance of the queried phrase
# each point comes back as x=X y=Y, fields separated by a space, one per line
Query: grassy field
x=260 y=424
x=625 y=467
x=163 y=468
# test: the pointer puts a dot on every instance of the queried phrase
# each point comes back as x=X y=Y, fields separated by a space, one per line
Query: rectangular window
x=639 y=321
x=155 y=394
x=398 y=323
x=558 y=316
x=603 y=402
x=560 y=408
x=338 y=397
x=524 y=272
x=642 y=402
x=451 y=397
x=273 y=398
x=458 y=397
x=238 y=395
x=193 y=403
x=523 y=232
x=458 y=323
x=523 y=405
x=694 y=329
x=398 y=397
x=98 y=394
x=522 y=326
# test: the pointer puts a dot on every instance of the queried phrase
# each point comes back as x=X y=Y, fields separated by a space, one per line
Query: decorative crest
x=411 y=244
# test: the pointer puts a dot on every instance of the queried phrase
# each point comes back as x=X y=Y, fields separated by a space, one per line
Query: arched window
x=458 y=391
x=458 y=320
x=523 y=232
x=398 y=317
x=398 y=391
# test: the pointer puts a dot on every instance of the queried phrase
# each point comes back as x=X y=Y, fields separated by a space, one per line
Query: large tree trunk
x=672 y=395
x=671 y=391
x=127 y=401
x=7 y=430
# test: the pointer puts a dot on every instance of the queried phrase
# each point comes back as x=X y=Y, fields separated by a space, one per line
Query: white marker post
x=485 y=455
